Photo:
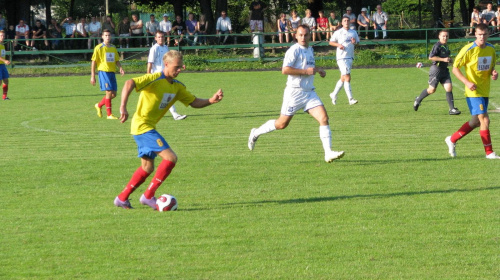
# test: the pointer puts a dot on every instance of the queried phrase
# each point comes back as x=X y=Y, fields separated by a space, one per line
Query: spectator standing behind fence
x=22 y=33
x=4 y=74
x=489 y=15
x=54 y=32
x=311 y=22
x=136 y=26
x=475 y=19
x=109 y=25
x=94 y=31
x=283 y=24
x=191 y=30
x=363 y=23
x=322 y=23
x=124 y=32
x=69 y=29
x=380 y=19
x=352 y=18
x=3 y=23
x=294 y=23
x=151 y=27
x=202 y=27
x=165 y=26
x=223 y=27
x=82 y=31
x=178 y=29
x=155 y=65
x=257 y=16
x=39 y=31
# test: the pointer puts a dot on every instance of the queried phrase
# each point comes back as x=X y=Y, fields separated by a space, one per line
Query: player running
x=4 y=74
x=158 y=92
x=105 y=57
x=300 y=67
x=439 y=73
x=479 y=59
x=344 y=40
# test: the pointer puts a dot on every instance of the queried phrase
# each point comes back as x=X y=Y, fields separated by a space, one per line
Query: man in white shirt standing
x=344 y=40
x=223 y=26
x=300 y=66
x=156 y=64
x=166 y=27
x=94 y=31
x=380 y=19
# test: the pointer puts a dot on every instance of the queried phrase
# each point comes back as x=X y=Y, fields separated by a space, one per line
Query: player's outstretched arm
x=126 y=91
x=287 y=70
x=200 y=103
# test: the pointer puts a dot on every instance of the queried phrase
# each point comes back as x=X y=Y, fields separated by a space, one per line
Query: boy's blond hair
x=171 y=55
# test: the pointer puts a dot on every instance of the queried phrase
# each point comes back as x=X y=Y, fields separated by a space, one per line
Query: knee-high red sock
x=102 y=103
x=464 y=130
x=108 y=106
x=137 y=179
x=5 y=90
x=161 y=174
x=486 y=138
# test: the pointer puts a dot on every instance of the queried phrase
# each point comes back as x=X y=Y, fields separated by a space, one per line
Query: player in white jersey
x=155 y=65
x=344 y=40
x=300 y=67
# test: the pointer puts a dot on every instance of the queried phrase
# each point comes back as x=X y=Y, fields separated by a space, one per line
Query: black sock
x=449 y=98
x=422 y=95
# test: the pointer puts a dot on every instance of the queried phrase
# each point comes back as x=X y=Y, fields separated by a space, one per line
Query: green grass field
x=395 y=207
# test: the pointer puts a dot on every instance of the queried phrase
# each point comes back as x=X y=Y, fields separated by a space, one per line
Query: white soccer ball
x=419 y=64
x=166 y=202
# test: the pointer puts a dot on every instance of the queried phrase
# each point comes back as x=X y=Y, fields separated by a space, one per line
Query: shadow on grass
x=65 y=96
x=342 y=197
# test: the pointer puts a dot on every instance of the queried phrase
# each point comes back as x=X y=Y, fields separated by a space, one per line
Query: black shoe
x=455 y=111
x=416 y=104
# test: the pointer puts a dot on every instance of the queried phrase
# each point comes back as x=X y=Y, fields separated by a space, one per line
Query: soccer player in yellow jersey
x=158 y=91
x=479 y=59
x=106 y=57
x=4 y=74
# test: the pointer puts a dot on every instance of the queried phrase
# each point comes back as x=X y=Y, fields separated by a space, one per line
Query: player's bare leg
x=281 y=123
x=325 y=134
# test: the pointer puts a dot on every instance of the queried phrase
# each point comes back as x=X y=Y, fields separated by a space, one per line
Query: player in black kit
x=439 y=73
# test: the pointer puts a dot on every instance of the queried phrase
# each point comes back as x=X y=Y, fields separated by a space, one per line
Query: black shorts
x=439 y=75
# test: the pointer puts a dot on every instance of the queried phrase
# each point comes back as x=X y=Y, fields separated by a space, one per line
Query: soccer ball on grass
x=166 y=202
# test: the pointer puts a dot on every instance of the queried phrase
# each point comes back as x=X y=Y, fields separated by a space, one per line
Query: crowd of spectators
x=192 y=31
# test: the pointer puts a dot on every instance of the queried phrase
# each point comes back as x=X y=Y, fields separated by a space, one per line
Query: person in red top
x=322 y=23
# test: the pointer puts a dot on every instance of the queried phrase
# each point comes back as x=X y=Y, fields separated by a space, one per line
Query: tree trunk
x=221 y=5
x=315 y=6
x=464 y=12
x=48 y=12
x=206 y=10
x=71 y=9
x=178 y=8
x=452 y=8
x=437 y=13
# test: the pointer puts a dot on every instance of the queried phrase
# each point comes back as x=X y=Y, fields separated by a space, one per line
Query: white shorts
x=295 y=99
x=345 y=66
x=256 y=25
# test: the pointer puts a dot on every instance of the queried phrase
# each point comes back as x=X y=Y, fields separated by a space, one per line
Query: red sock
x=464 y=130
x=5 y=89
x=486 y=138
x=108 y=106
x=137 y=179
x=103 y=101
x=161 y=174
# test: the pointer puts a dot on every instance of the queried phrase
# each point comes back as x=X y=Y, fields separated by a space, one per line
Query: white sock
x=173 y=111
x=338 y=87
x=325 y=135
x=265 y=128
x=347 y=88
